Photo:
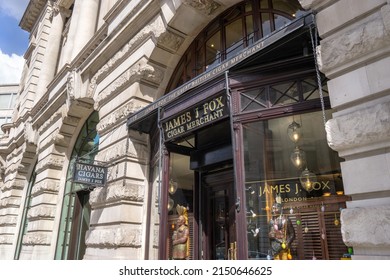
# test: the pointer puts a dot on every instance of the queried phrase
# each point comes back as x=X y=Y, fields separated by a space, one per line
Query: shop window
x=278 y=154
x=180 y=199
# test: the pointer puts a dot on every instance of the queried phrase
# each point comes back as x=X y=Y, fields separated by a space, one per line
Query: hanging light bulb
x=170 y=204
x=294 y=131
x=172 y=186
x=298 y=158
x=307 y=180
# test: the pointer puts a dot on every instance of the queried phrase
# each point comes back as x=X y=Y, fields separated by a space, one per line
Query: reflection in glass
x=180 y=193
x=269 y=172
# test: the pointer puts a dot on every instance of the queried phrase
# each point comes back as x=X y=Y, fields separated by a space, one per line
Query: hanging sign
x=90 y=174
x=196 y=117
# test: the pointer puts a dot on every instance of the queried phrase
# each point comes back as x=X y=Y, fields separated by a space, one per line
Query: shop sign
x=290 y=190
x=90 y=174
x=196 y=117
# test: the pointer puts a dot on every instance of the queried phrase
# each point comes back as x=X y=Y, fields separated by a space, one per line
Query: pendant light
x=298 y=158
x=294 y=131
x=171 y=202
x=307 y=180
x=172 y=186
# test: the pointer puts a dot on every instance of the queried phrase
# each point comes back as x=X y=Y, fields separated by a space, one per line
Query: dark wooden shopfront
x=202 y=129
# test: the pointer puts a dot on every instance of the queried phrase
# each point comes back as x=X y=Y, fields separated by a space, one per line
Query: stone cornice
x=32 y=14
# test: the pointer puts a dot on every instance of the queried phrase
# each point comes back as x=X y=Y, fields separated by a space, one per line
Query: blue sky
x=13 y=40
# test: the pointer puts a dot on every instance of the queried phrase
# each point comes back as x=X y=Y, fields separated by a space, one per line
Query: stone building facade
x=92 y=64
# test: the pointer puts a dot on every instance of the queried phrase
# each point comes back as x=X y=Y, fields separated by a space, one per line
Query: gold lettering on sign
x=198 y=116
x=291 y=188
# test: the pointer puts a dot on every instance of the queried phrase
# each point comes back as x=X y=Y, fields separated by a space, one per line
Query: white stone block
x=348 y=87
x=342 y=12
x=366 y=227
x=375 y=170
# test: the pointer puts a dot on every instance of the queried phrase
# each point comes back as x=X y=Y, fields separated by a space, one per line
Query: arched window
x=235 y=29
x=75 y=214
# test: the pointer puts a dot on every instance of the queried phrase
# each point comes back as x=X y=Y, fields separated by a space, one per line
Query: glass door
x=218 y=215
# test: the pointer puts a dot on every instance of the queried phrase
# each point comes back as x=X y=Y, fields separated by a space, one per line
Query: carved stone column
x=83 y=24
x=52 y=48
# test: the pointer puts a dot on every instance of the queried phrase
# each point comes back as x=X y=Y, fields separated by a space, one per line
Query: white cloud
x=13 y=8
x=11 y=67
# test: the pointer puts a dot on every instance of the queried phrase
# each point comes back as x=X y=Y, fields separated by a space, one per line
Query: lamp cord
x=314 y=43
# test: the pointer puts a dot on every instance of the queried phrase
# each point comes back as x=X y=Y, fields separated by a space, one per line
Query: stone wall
x=355 y=55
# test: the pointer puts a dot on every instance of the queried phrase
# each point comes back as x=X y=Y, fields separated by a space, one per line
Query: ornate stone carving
x=116 y=192
x=112 y=152
x=385 y=11
x=70 y=84
x=118 y=115
x=46 y=186
x=139 y=71
x=10 y=202
x=171 y=41
x=6 y=239
x=155 y=28
x=8 y=220
x=362 y=127
x=206 y=7
x=12 y=185
x=134 y=149
x=41 y=212
x=54 y=117
x=30 y=133
x=37 y=238
x=359 y=40
x=52 y=161
x=54 y=9
x=116 y=237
